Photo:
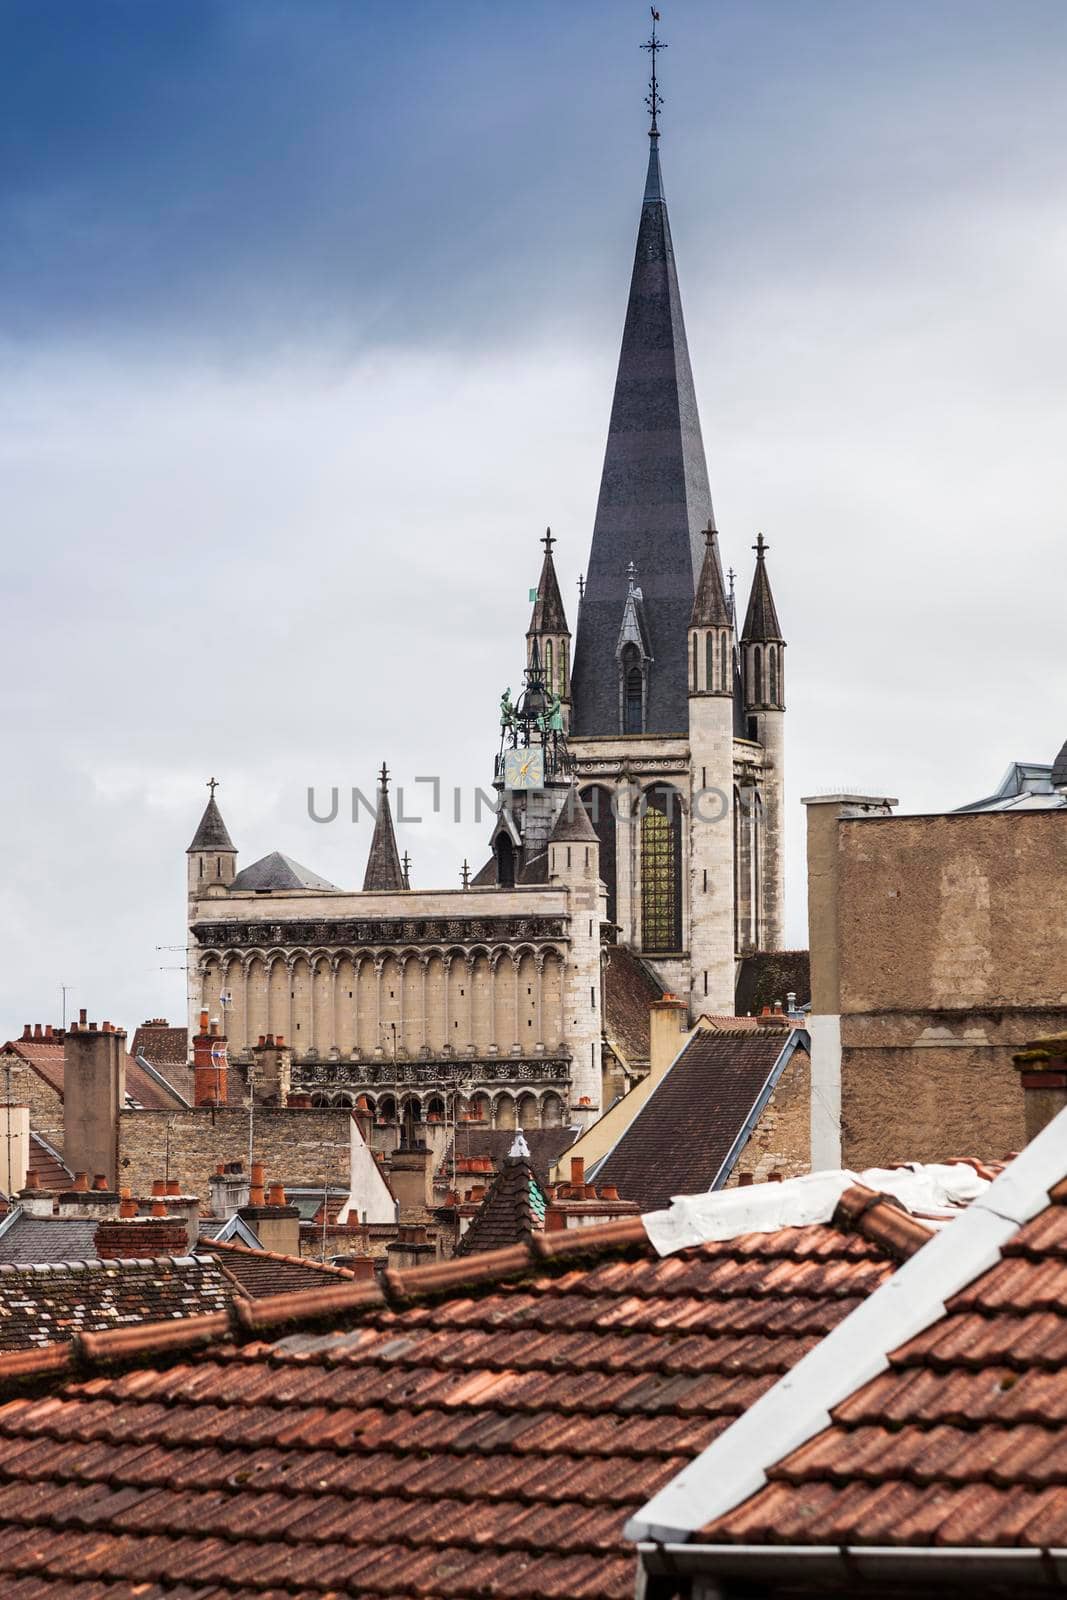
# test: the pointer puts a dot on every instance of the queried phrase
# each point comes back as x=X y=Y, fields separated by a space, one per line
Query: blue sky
x=309 y=314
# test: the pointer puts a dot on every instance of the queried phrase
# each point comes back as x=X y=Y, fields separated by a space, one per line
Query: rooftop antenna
x=653 y=99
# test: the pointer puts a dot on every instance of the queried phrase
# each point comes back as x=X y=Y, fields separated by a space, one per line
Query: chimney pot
x=81 y=1016
x=127 y=1207
x=278 y=1040
x=37 y=1033
x=609 y=1192
x=48 y=1030
x=276 y=1195
x=173 y=1186
x=262 y=1040
x=158 y=1209
x=27 y=1031
x=745 y=1180
x=203 y=1022
x=159 y=1186
x=81 y=1181
x=100 y=1181
x=32 y=1180
x=577 y=1172
x=774 y=1177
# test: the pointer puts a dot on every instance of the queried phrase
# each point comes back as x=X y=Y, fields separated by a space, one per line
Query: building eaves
x=735 y=1466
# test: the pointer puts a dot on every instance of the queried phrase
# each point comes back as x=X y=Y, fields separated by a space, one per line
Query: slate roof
x=630 y=987
x=26 y=1239
x=572 y=822
x=548 y=613
x=511 y=1213
x=384 y=871
x=710 y=606
x=654 y=496
x=768 y=977
x=761 y=619
x=682 y=1135
x=44 y=1304
x=546 y=1146
x=962 y=1441
x=278 y=871
x=481 y=1426
x=266 y=1272
x=212 y=833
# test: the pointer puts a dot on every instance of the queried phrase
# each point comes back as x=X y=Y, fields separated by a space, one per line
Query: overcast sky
x=309 y=316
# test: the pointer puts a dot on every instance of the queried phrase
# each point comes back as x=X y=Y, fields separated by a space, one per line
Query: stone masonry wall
x=781 y=1139
x=29 y=1089
x=295 y=1146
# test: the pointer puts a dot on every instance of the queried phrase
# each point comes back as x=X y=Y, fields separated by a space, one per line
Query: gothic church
x=641 y=775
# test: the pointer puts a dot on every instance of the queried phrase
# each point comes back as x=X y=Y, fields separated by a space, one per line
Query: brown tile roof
x=45 y=1056
x=47 y=1163
x=511 y=1213
x=481 y=1426
x=41 y=1305
x=962 y=1441
x=260 y=1273
x=163 y=1045
x=684 y=1132
x=629 y=989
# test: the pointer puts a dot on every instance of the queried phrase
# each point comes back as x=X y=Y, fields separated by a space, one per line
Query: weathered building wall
x=952 y=953
x=781 y=1140
x=28 y=1088
x=295 y=1146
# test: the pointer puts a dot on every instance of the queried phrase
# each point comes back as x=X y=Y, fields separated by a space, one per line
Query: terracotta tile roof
x=481 y=1426
x=513 y=1209
x=45 y=1056
x=684 y=1132
x=961 y=1442
x=162 y=1045
x=48 y=1164
x=475 y=1141
x=260 y=1273
x=43 y=1304
x=629 y=990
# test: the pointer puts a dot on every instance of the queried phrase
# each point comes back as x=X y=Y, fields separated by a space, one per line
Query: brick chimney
x=209 y=1065
x=411 y=1248
x=1042 y=1069
x=276 y=1224
x=94 y=1093
x=35 y=1201
x=272 y=1070
x=139 y=1238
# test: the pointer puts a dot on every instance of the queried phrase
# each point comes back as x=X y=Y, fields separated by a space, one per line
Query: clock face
x=524 y=769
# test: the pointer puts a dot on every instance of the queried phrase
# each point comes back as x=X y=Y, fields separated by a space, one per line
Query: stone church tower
x=675 y=726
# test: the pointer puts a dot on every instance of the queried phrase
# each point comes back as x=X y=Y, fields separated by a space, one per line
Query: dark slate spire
x=212 y=834
x=761 y=619
x=711 y=609
x=548 y=613
x=513 y=1209
x=654 y=495
x=383 y=864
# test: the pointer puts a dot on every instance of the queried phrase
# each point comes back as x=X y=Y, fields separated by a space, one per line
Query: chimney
x=411 y=1178
x=96 y=1202
x=229 y=1189
x=411 y=1248
x=140 y=1238
x=1042 y=1069
x=668 y=1022
x=14 y=1148
x=577 y=1172
x=35 y=1201
x=276 y=1224
x=209 y=1065
x=271 y=1071
x=94 y=1094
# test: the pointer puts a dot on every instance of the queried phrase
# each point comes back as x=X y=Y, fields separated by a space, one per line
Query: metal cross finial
x=212 y=784
x=653 y=99
x=760 y=546
x=631 y=573
x=548 y=541
x=465 y=874
x=709 y=532
x=731 y=575
x=406 y=865
x=581 y=586
x=383 y=778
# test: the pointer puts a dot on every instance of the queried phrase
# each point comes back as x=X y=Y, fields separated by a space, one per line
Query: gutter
x=846 y=1567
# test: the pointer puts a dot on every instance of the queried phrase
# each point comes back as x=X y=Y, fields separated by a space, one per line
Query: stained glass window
x=661 y=872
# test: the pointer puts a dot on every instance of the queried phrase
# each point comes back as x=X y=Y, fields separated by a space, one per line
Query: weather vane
x=653 y=99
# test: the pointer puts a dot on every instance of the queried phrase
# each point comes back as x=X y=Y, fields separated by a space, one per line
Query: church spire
x=548 y=638
x=212 y=833
x=383 y=863
x=654 y=495
x=762 y=645
x=711 y=609
x=761 y=619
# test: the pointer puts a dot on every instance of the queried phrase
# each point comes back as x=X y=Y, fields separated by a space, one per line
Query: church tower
x=548 y=638
x=711 y=788
x=212 y=856
x=763 y=679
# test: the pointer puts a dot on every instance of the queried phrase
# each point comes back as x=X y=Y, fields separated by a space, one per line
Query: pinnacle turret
x=761 y=619
x=762 y=645
x=212 y=833
x=384 y=870
x=711 y=609
x=548 y=637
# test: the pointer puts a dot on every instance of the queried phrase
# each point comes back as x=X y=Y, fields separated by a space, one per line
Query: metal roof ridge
x=857 y=1350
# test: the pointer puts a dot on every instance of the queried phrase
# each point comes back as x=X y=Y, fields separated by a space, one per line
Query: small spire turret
x=384 y=871
x=548 y=637
x=762 y=644
x=212 y=854
x=711 y=627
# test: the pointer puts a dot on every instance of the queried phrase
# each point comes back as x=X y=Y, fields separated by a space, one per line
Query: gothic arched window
x=505 y=862
x=548 y=665
x=633 y=692
x=598 y=808
x=772 y=675
x=709 y=661
x=756 y=690
x=562 y=669
x=724 y=653
x=661 y=871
